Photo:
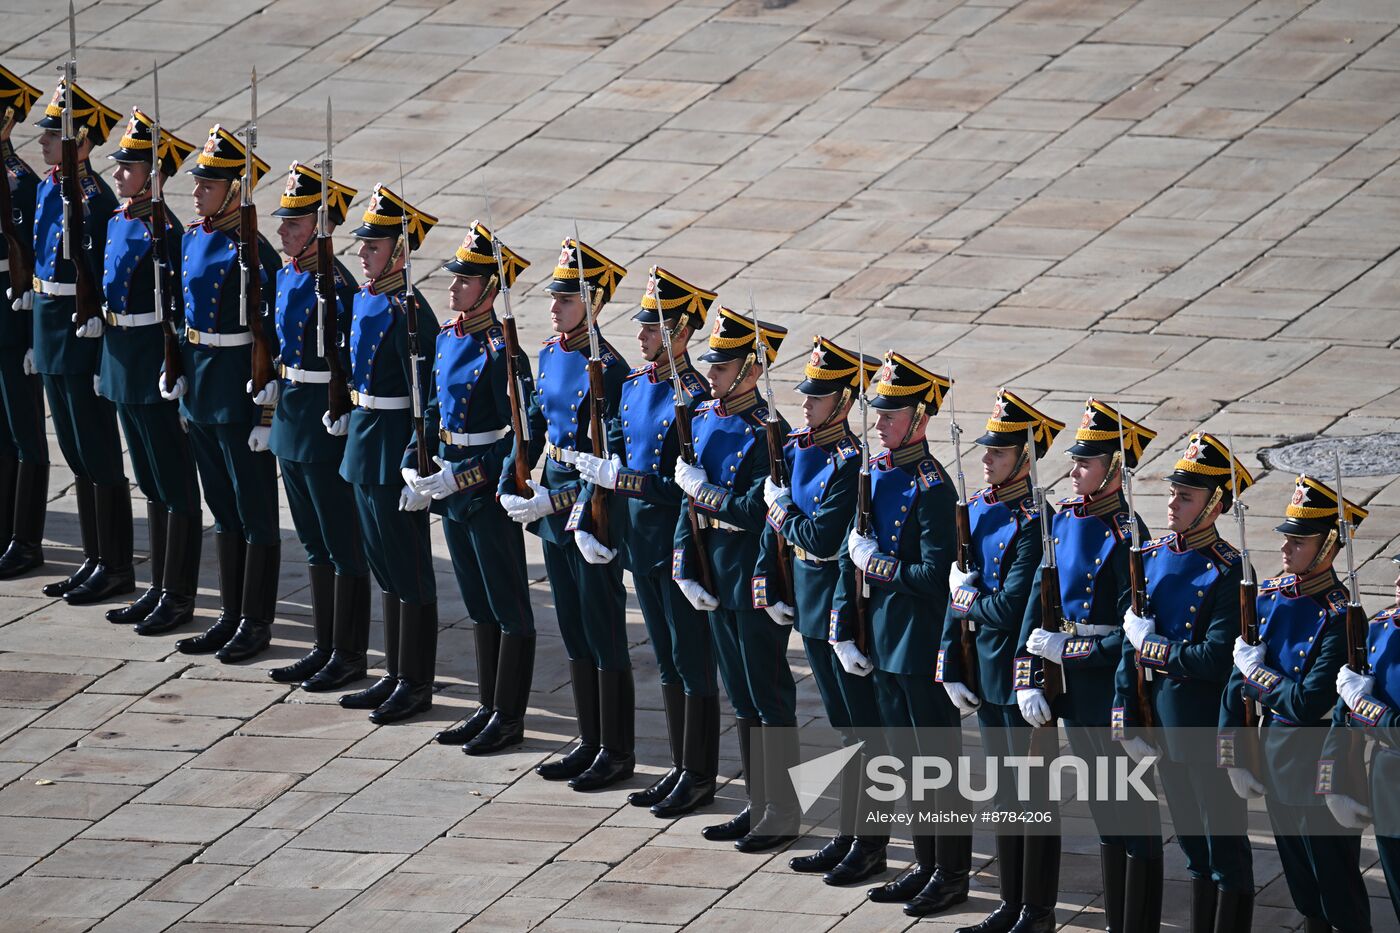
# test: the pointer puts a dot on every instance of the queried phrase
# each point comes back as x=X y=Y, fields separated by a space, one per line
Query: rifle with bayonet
x=706 y=576
x=172 y=320
x=1357 y=630
x=1137 y=579
x=962 y=522
x=1247 y=751
x=250 y=257
x=777 y=464
x=863 y=495
x=1052 y=613
x=426 y=466
x=598 y=502
x=87 y=296
x=515 y=384
x=327 y=303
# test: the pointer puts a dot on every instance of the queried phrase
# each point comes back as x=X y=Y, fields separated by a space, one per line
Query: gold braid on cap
x=1131 y=439
x=1042 y=428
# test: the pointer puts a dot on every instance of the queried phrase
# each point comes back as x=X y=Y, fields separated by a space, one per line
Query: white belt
x=380 y=402
x=802 y=554
x=293 y=374
x=1085 y=630
x=44 y=287
x=471 y=440
x=4 y=265
x=205 y=339
x=130 y=320
x=561 y=455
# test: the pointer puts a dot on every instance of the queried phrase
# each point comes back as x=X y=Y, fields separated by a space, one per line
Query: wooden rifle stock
x=172 y=319
x=21 y=265
x=87 y=300
x=598 y=502
x=777 y=469
x=862 y=601
x=1137 y=581
x=697 y=525
x=251 y=261
x=338 y=390
x=423 y=454
x=967 y=636
x=1247 y=751
x=521 y=463
x=1052 y=678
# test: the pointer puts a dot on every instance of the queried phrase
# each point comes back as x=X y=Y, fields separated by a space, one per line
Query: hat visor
x=818 y=387
x=470 y=269
x=723 y=356
x=1084 y=449
x=213 y=174
x=893 y=403
x=563 y=287
x=648 y=316
x=295 y=211
x=374 y=232
x=999 y=439
x=47 y=122
x=130 y=157
x=1301 y=528
x=1195 y=481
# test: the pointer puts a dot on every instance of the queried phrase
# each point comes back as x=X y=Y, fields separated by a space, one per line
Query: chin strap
x=1210 y=504
x=1322 y=553
x=919 y=410
x=1115 y=466
x=488 y=292
x=743 y=371
x=840 y=406
x=393 y=261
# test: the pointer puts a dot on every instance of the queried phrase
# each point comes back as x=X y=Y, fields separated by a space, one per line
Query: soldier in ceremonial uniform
x=322 y=503
x=585 y=579
x=1369 y=706
x=813 y=515
x=86 y=423
x=1291 y=677
x=132 y=349
x=1192 y=581
x=905 y=561
x=393 y=516
x=991 y=596
x=470 y=415
x=726 y=485
x=228 y=429
x=24 y=451
x=640 y=472
x=1093 y=534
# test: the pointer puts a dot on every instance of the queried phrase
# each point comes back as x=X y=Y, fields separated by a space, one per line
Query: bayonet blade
x=156 y=186
x=586 y=293
x=72 y=41
x=955 y=430
x=760 y=349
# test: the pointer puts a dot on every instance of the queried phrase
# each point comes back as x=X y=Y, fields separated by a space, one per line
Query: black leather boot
x=87 y=531
x=113 y=574
x=413 y=694
x=673 y=707
x=323 y=623
x=830 y=855
x=1204 y=895
x=1316 y=925
x=908 y=883
x=738 y=826
x=1113 y=869
x=944 y=891
x=156 y=514
x=824 y=859
x=515 y=673
x=1011 y=863
x=25 y=551
x=254 y=633
x=583 y=679
x=1040 y=885
x=865 y=860
x=781 y=816
x=1234 y=911
x=180 y=577
x=617 y=707
x=233 y=554
x=9 y=483
x=377 y=692
x=488 y=658
x=695 y=787
x=1142 y=895
x=349 y=637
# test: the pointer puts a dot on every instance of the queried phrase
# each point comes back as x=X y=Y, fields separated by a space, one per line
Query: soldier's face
x=375 y=256
x=566 y=313
x=999 y=463
x=208 y=195
x=817 y=409
x=1185 y=504
x=51 y=145
x=131 y=178
x=1087 y=474
x=296 y=234
x=1299 y=552
x=464 y=291
x=892 y=427
x=649 y=342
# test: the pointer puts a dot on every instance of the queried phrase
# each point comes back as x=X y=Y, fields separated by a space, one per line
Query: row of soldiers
x=909 y=615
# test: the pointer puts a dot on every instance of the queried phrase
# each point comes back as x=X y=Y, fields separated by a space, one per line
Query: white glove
x=170 y=395
x=697 y=595
x=690 y=478
x=1349 y=812
x=958 y=578
x=24 y=302
x=1047 y=644
x=853 y=661
x=524 y=510
x=337 y=428
x=1137 y=628
x=964 y=699
x=1034 y=707
x=1139 y=749
x=861 y=548
x=772 y=492
x=410 y=501
x=96 y=383
x=267 y=395
x=1351 y=686
x=1246 y=787
x=89 y=329
x=598 y=471
x=781 y=613
x=29 y=369
x=592 y=549
x=437 y=485
x=257 y=439
x=1247 y=656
